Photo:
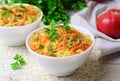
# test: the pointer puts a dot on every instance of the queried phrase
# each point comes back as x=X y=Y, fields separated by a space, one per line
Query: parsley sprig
x=37 y=36
x=66 y=26
x=19 y=61
x=41 y=46
x=52 y=32
x=50 y=48
x=5 y=12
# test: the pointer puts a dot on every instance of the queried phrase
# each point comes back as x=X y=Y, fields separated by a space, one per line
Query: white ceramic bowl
x=14 y=36
x=61 y=66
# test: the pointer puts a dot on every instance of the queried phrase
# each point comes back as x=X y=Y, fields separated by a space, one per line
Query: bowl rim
x=16 y=27
x=71 y=56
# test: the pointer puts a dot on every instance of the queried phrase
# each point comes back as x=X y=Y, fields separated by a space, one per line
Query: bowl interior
x=30 y=39
x=16 y=27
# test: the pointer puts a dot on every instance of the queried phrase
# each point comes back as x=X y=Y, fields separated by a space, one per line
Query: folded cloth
x=87 y=18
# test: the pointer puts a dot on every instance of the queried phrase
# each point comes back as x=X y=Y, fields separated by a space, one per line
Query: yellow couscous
x=66 y=44
x=18 y=15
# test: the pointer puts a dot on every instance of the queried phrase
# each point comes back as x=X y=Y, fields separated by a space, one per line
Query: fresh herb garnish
x=53 y=36
x=1 y=2
x=50 y=48
x=37 y=36
x=52 y=32
x=41 y=46
x=53 y=9
x=66 y=26
x=47 y=31
x=19 y=61
x=22 y=61
x=79 y=5
x=5 y=12
x=15 y=65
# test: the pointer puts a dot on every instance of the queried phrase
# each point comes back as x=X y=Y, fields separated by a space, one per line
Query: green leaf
x=53 y=23
x=52 y=7
x=40 y=1
x=10 y=3
x=5 y=12
x=37 y=36
x=79 y=5
x=82 y=6
x=15 y=65
x=1 y=2
x=53 y=36
x=17 y=57
x=66 y=26
x=6 y=1
x=5 y=9
x=41 y=46
x=47 y=31
x=22 y=61
x=50 y=48
x=52 y=32
x=19 y=61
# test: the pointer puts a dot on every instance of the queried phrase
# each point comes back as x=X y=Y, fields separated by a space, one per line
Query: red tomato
x=109 y=23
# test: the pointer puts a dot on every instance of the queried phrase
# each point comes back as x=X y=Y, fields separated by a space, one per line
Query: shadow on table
x=111 y=59
x=92 y=70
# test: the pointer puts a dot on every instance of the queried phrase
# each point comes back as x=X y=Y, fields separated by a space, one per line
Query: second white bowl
x=16 y=35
